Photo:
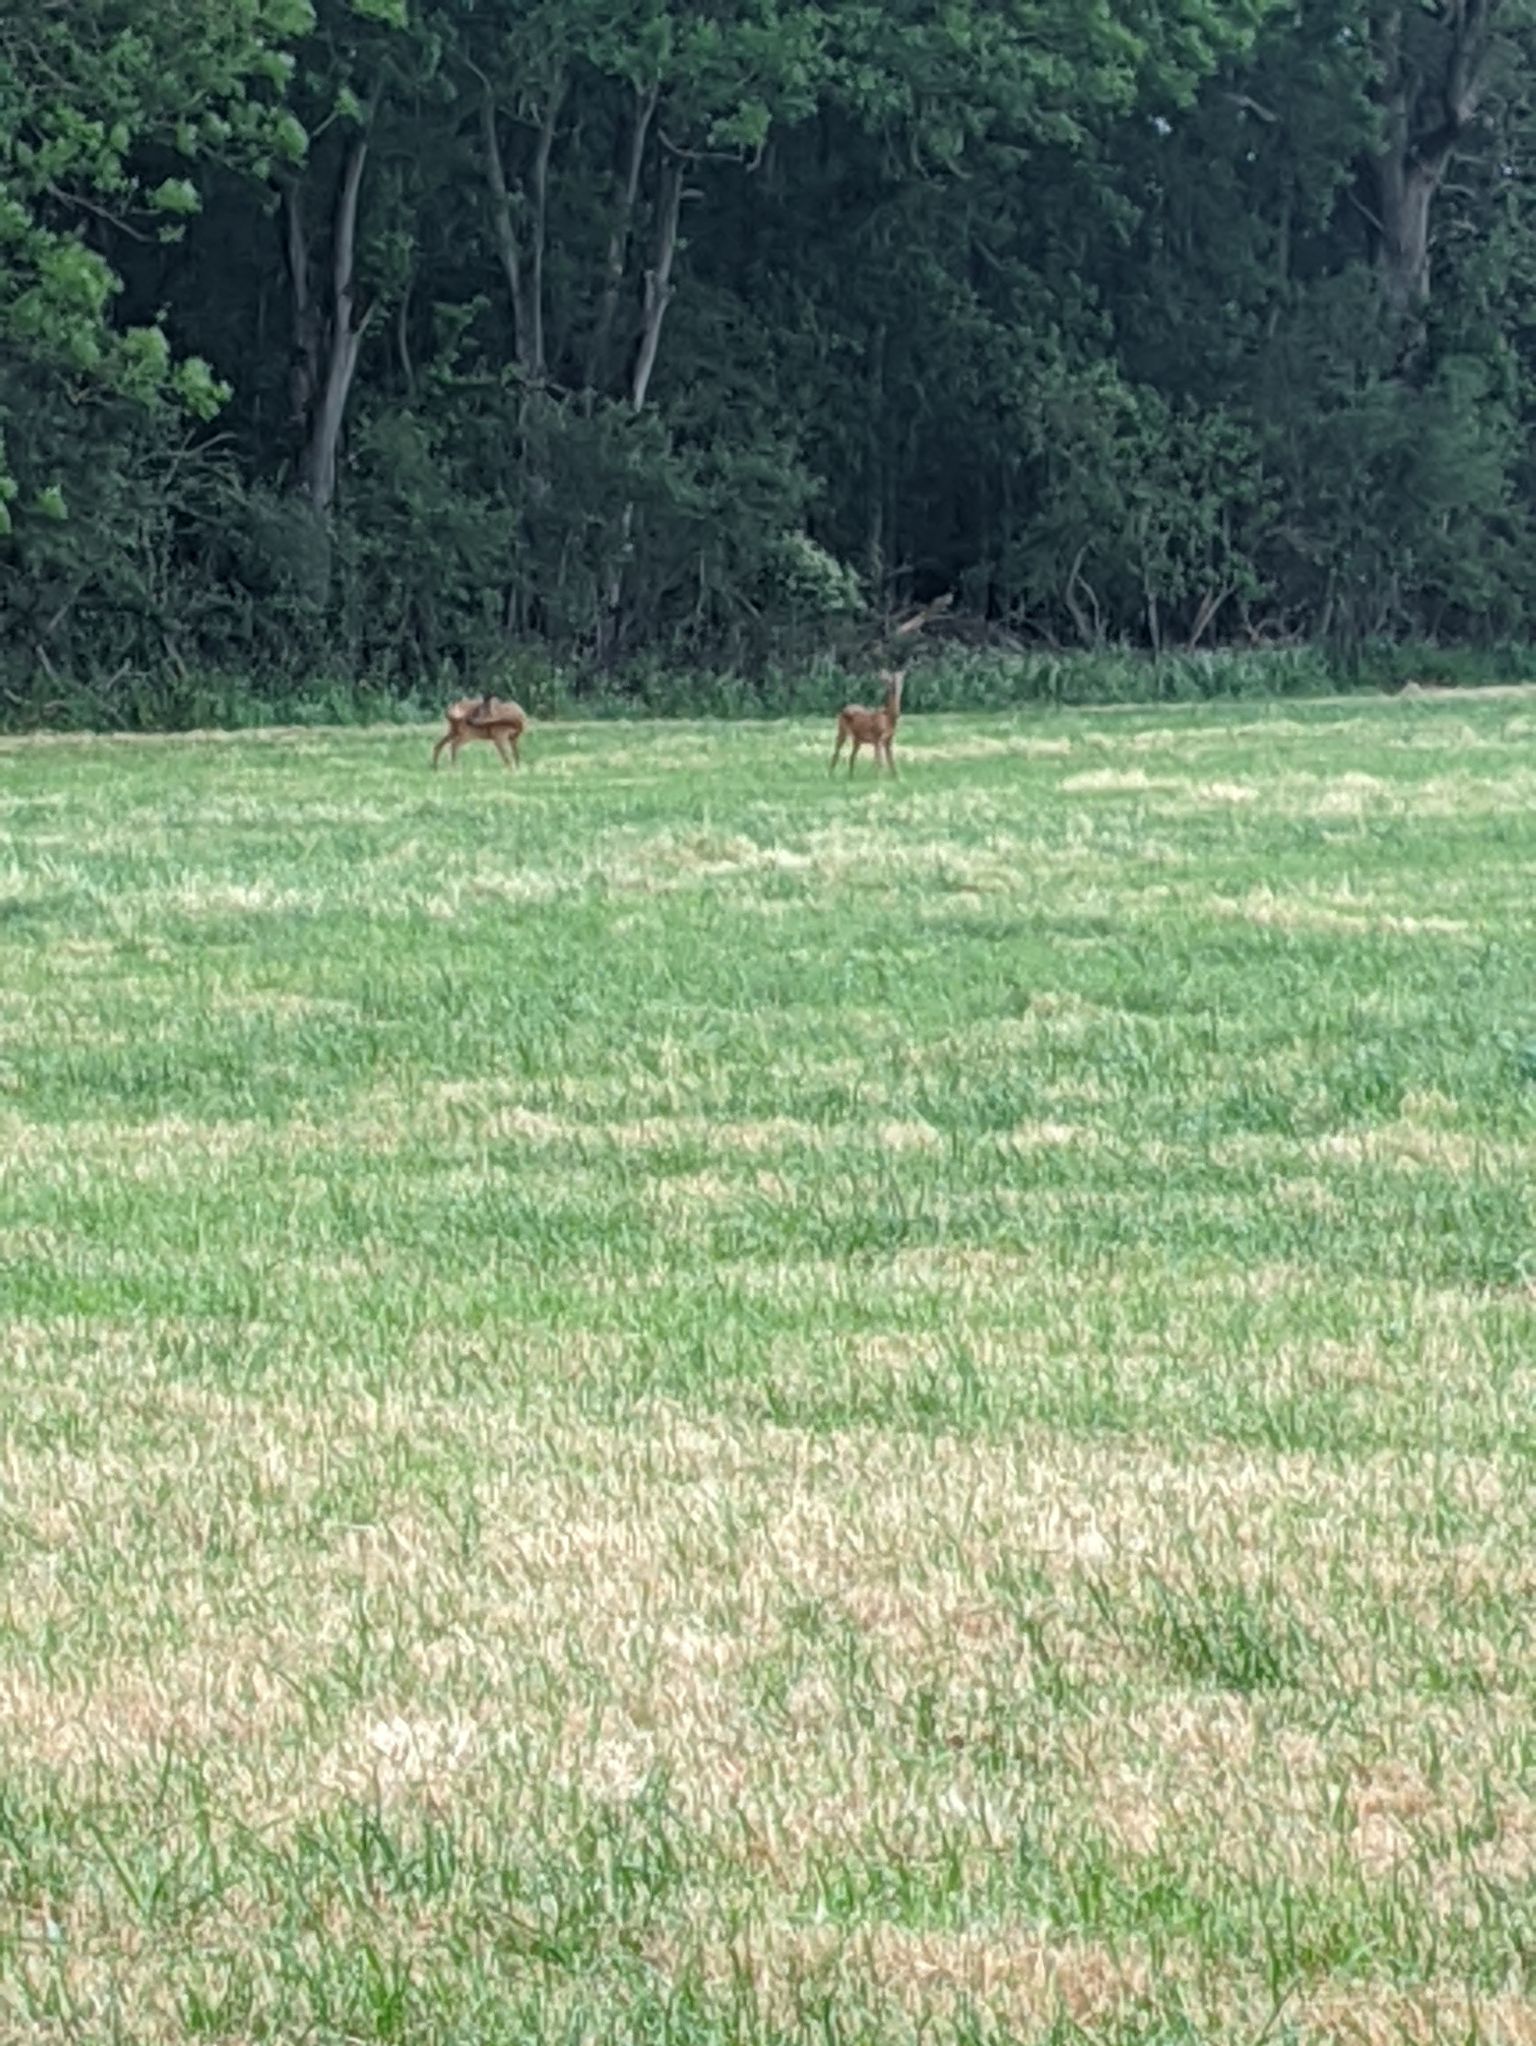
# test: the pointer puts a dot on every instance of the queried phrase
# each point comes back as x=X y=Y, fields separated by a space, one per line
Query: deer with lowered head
x=485 y=717
x=877 y=728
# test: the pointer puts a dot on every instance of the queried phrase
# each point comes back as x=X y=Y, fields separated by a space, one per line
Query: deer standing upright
x=877 y=728
x=874 y=728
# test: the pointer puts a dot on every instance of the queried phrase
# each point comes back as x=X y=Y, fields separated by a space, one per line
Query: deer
x=485 y=717
x=874 y=728
x=877 y=728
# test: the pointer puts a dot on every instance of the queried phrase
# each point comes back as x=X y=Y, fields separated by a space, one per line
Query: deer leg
x=889 y=757
x=853 y=756
x=442 y=742
x=837 y=749
x=513 y=736
x=499 y=741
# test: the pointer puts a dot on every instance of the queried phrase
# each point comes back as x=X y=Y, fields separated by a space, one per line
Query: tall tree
x=90 y=99
x=1435 y=61
x=637 y=328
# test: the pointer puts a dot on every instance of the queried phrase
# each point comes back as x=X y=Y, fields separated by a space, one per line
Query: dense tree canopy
x=346 y=337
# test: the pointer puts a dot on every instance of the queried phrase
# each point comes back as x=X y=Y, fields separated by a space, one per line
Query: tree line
x=408 y=338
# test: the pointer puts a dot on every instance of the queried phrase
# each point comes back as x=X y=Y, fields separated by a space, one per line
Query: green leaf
x=290 y=19
x=175 y=195
x=200 y=391
x=289 y=138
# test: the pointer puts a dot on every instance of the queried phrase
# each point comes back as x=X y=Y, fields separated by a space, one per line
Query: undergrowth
x=943 y=678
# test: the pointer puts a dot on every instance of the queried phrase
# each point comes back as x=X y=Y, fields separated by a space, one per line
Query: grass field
x=669 y=1400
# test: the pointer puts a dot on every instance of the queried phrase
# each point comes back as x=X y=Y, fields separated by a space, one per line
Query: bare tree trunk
x=1428 y=110
x=304 y=369
x=346 y=336
x=658 y=283
x=610 y=624
x=1090 y=630
x=1206 y=615
x=658 y=294
x=539 y=194
x=527 y=322
x=618 y=241
x=876 y=551
x=326 y=341
x=1284 y=235
x=403 y=338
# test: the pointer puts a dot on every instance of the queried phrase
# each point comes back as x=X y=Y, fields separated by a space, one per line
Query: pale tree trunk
x=304 y=373
x=527 y=340
x=1428 y=113
x=403 y=339
x=539 y=198
x=658 y=295
x=522 y=267
x=658 y=283
x=1406 y=191
x=520 y=223
x=618 y=241
x=328 y=335
x=877 y=447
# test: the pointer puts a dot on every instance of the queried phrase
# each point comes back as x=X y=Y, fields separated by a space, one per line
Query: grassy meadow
x=669 y=1400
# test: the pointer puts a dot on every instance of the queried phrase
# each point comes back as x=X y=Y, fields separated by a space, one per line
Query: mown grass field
x=668 y=1400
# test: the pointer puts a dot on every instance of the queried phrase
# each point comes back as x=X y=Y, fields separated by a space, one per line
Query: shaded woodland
x=413 y=339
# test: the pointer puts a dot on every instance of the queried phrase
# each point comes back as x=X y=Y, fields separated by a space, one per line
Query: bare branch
x=113 y=220
x=914 y=624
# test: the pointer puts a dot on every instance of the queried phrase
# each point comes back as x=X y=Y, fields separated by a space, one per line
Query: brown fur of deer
x=866 y=727
x=877 y=728
x=483 y=717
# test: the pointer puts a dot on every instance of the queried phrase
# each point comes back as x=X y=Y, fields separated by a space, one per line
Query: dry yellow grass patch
x=1023 y=1983
x=625 y=1620
x=423 y=1759
x=1370 y=2015
x=163 y=1149
x=1005 y=747
x=1344 y=915
x=222 y=1700
x=516 y=886
x=1113 y=781
x=1116 y=781
x=1221 y=792
x=1411 y=1145
x=1051 y=1136
x=202 y=897
x=1439 y=796
x=769 y=1136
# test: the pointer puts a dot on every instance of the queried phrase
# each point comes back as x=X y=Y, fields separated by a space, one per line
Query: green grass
x=668 y=1400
